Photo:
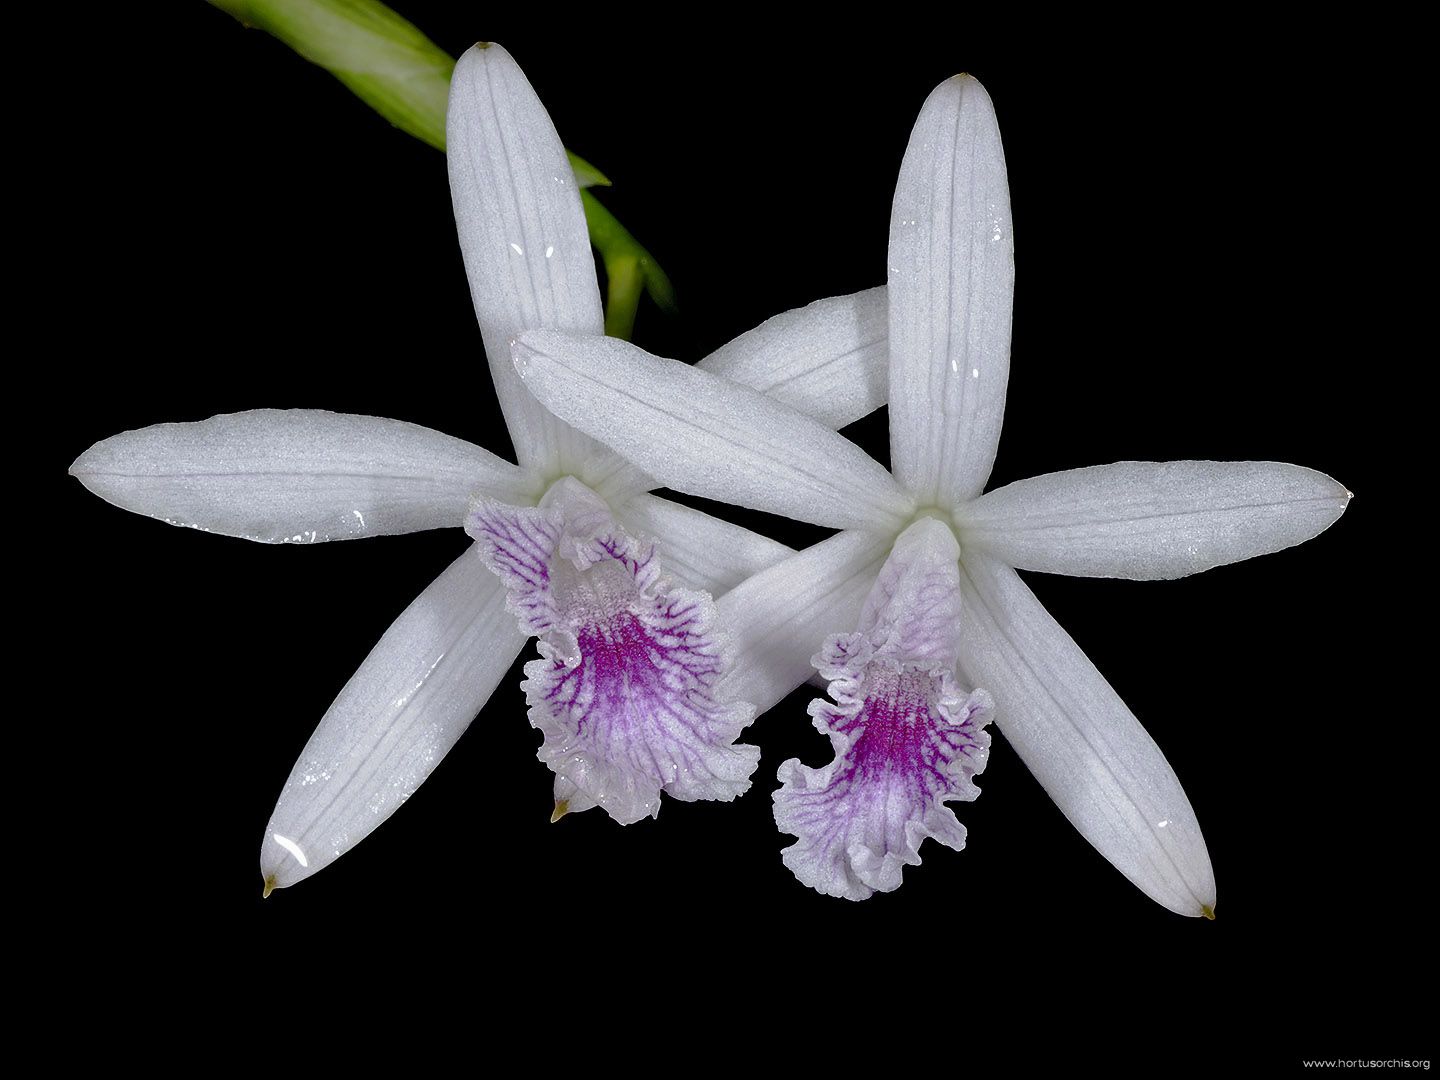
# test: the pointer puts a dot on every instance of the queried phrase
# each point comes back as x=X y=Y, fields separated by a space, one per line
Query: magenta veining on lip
x=906 y=737
x=624 y=692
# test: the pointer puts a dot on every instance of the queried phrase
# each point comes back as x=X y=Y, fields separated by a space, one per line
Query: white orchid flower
x=936 y=557
x=623 y=693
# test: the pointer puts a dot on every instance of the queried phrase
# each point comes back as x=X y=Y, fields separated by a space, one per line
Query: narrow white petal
x=952 y=276
x=1146 y=519
x=699 y=433
x=298 y=475
x=698 y=550
x=414 y=695
x=1084 y=746
x=780 y=618
x=522 y=232
x=829 y=360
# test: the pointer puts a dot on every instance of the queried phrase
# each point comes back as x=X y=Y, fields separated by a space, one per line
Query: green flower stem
x=405 y=77
x=628 y=268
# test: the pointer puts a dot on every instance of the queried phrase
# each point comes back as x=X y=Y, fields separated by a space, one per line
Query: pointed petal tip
x=85 y=463
x=963 y=82
x=481 y=53
x=562 y=807
x=269 y=887
x=1208 y=910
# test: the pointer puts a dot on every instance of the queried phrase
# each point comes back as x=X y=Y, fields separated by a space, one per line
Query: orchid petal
x=829 y=360
x=412 y=698
x=1084 y=746
x=624 y=689
x=781 y=617
x=522 y=232
x=705 y=435
x=298 y=475
x=951 y=282
x=906 y=737
x=698 y=550
x=1146 y=520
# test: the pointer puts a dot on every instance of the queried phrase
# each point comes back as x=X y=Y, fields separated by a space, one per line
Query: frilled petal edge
x=780 y=618
x=701 y=551
x=624 y=692
x=907 y=738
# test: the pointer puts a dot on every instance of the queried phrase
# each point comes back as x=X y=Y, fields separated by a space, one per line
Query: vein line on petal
x=485 y=610
x=1082 y=732
x=716 y=429
x=1024 y=522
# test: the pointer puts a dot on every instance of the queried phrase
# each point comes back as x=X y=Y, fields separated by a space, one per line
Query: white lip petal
x=829 y=360
x=698 y=550
x=400 y=713
x=297 y=475
x=780 y=618
x=522 y=232
x=951 y=282
x=1146 y=519
x=1084 y=746
x=699 y=433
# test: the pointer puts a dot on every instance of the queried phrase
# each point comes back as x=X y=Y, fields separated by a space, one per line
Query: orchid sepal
x=704 y=435
x=298 y=476
x=1148 y=520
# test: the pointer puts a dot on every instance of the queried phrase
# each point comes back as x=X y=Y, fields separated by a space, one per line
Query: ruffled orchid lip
x=906 y=738
x=625 y=690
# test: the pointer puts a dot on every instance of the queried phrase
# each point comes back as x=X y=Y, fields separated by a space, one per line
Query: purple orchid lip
x=907 y=739
x=624 y=692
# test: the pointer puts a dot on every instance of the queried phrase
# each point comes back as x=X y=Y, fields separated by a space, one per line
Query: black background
x=251 y=235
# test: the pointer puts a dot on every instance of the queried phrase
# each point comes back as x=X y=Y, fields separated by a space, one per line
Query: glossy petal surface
x=1086 y=748
x=829 y=360
x=414 y=695
x=522 y=232
x=701 y=551
x=951 y=284
x=781 y=617
x=297 y=476
x=1147 y=519
x=699 y=433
